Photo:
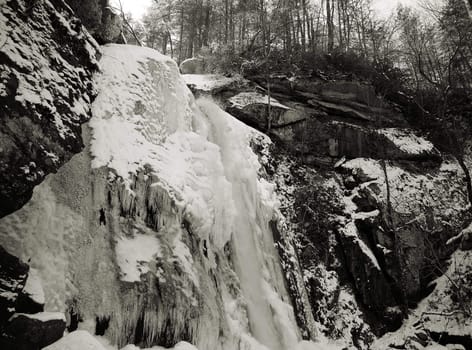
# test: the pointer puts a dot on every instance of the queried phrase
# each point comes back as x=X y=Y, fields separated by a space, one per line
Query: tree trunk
x=468 y=179
x=226 y=21
x=330 y=25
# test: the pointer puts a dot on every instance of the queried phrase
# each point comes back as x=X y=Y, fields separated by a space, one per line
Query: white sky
x=136 y=7
x=387 y=7
x=383 y=7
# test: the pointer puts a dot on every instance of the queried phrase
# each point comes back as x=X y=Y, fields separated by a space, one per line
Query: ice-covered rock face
x=46 y=65
x=161 y=224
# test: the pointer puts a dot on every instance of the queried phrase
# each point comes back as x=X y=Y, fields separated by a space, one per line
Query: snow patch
x=33 y=287
x=134 y=254
x=407 y=141
x=42 y=316
x=245 y=99
x=77 y=340
x=179 y=346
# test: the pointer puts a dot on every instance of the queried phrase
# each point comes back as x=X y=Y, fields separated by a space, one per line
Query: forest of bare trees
x=183 y=28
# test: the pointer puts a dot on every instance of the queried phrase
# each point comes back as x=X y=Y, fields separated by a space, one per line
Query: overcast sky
x=383 y=7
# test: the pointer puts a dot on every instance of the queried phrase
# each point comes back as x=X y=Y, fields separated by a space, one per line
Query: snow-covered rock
x=253 y=109
x=444 y=315
x=418 y=213
x=31 y=300
x=45 y=93
x=35 y=331
x=211 y=83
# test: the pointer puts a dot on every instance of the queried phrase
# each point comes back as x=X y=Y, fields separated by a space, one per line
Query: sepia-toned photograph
x=235 y=174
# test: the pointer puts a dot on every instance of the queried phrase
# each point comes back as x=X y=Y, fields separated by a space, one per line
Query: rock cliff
x=46 y=62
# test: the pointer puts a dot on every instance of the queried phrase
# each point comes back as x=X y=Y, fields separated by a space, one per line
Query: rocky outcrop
x=324 y=121
x=215 y=84
x=13 y=275
x=46 y=63
x=405 y=218
x=23 y=324
x=443 y=317
x=99 y=19
x=33 y=332
x=344 y=99
x=252 y=108
x=31 y=299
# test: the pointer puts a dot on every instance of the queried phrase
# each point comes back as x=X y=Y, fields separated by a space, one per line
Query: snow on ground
x=84 y=340
x=77 y=340
x=245 y=99
x=33 y=287
x=209 y=82
x=407 y=141
x=179 y=346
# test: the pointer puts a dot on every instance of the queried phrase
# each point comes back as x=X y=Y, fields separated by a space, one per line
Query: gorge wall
x=166 y=221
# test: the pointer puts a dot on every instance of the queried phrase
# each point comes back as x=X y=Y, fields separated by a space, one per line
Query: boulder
x=252 y=108
x=213 y=83
x=46 y=64
x=35 y=331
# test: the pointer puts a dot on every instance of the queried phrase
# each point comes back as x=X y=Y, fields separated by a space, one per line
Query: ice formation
x=162 y=224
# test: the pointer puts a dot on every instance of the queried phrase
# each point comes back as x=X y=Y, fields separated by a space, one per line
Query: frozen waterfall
x=187 y=252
